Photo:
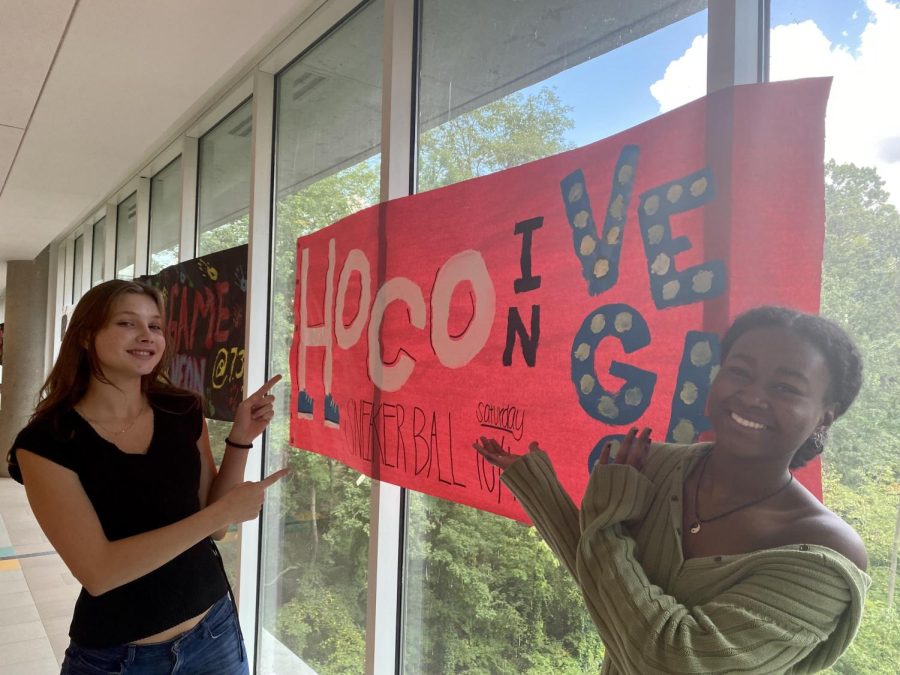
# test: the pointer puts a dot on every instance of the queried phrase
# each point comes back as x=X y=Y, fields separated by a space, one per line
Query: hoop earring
x=818 y=439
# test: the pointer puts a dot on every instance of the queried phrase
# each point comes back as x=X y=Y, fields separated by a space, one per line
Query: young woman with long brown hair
x=117 y=467
x=711 y=558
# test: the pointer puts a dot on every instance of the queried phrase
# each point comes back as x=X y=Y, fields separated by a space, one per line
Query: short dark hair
x=842 y=357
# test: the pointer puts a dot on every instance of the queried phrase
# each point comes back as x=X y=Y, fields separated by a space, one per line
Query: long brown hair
x=77 y=361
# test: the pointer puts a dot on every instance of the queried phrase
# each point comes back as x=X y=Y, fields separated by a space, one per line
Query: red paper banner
x=562 y=301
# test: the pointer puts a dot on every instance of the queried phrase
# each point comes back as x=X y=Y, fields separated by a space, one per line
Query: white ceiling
x=89 y=88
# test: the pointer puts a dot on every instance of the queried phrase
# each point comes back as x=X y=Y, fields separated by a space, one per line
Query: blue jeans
x=214 y=647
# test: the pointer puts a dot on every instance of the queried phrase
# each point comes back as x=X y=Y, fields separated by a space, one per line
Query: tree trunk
x=892 y=575
x=315 y=524
x=330 y=486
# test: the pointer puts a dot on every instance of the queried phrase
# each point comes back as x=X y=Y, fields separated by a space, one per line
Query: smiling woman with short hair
x=710 y=557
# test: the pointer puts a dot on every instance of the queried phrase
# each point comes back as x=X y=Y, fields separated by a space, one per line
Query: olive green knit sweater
x=789 y=609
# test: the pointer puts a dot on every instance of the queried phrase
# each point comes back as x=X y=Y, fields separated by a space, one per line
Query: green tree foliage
x=326 y=540
x=488 y=596
x=861 y=291
x=226 y=235
x=860 y=284
x=871 y=507
x=514 y=130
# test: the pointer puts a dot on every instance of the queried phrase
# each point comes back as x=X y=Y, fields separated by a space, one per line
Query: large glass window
x=126 y=222
x=858 y=44
x=316 y=532
x=98 y=252
x=165 y=217
x=223 y=221
x=77 y=267
x=503 y=83
x=223 y=199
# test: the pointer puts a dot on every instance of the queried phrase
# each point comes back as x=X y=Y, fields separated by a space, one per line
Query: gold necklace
x=112 y=432
x=696 y=526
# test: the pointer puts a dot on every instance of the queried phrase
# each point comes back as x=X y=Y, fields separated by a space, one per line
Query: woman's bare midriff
x=173 y=632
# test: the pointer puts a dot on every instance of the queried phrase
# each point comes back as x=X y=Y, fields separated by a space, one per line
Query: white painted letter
x=316 y=336
x=457 y=351
x=393 y=377
x=347 y=336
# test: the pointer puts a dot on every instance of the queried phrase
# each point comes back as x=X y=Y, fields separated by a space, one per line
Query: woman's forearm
x=122 y=561
x=230 y=473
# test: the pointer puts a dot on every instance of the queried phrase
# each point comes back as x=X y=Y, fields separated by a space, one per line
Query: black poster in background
x=206 y=300
x=1 y=343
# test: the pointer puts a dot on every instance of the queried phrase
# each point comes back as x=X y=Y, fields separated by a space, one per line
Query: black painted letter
x=527 y=282
x=514 y=326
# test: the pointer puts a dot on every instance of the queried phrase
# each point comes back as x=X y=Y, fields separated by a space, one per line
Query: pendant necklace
x=696 y=526
x=121 y=431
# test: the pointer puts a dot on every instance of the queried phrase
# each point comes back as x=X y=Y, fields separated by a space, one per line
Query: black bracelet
x=242 y=446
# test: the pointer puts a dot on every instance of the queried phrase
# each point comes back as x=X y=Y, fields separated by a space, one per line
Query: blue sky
x=597 y=88
x=612 y=92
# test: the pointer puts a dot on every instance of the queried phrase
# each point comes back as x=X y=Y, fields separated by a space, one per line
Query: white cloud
x=863 y=120
x=684 y=79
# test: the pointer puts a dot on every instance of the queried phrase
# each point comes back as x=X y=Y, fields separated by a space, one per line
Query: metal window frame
x=87 y=255
x=56 y=296
x=142 y=228
x=68 y=260
x=133 y=186
x=387 y=525
x=172 y=154
x=90 y=224
x=187 y=247
x=738 y=44
x=257 y=329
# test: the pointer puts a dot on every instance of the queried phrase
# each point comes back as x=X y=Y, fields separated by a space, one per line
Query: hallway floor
x=37 y=592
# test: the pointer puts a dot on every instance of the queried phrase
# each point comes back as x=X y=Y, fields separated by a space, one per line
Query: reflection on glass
x=98 y=252
x=223 y=197
x=856 y=43
x=165 y=217
x=126 y=222
x=77 y=265
x=501 y=84
x=316 y=541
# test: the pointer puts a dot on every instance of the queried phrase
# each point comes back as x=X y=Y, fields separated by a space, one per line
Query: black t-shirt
x=133 y=494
